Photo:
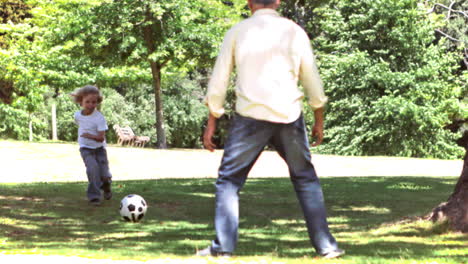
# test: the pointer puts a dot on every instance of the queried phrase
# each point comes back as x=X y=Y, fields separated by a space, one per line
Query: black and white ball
x=133 y=208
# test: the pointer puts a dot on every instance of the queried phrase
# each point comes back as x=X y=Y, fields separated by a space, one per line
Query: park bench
x=125 y=135
x=140 y=141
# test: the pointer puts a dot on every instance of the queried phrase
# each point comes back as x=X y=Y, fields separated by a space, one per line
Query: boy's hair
x=263 y=2
x=79 y=93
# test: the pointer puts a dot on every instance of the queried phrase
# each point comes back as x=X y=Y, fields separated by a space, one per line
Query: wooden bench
x=140 y=141
x=125 y=135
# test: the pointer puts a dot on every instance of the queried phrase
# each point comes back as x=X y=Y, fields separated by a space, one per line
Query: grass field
x=375 y=219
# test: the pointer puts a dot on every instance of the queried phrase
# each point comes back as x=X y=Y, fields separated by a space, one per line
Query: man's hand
x=317 y=130
x=209 y=132
x=317 y=134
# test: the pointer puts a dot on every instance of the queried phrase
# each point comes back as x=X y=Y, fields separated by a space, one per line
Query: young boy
x=92 y=128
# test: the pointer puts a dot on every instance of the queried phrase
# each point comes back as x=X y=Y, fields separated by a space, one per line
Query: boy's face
x=89 y=102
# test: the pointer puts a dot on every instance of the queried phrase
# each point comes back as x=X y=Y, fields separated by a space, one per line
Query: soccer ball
x=133 y=208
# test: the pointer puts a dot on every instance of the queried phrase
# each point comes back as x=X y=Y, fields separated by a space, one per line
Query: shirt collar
x=92 y=113
x=265 y=11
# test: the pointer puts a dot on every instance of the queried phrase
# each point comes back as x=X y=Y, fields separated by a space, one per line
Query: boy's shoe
x=95 y=202
x=106 y=187
x=209 y=252
x=333 y=254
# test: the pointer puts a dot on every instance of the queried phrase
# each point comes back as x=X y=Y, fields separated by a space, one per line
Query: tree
x=28 y=55
x=391 y=88
x=14 y=12
x=184 y=34
x=455 y=210
x=11 y=12
x=20 y=88
x=453 y=27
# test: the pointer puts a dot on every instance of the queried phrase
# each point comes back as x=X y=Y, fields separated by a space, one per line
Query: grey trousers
x=97 y=170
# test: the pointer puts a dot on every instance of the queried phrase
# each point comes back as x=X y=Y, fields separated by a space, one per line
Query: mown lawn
x=373 y=218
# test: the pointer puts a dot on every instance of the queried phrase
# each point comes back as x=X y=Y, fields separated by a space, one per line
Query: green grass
x=373 y=218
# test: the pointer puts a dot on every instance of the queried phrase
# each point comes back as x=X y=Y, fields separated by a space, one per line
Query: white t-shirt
x=92 y=124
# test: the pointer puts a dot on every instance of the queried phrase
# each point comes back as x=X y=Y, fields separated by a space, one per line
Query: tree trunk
x=54 y=121
x=30 y=128
x=150 y=41
x=455 y=210
x=161 y=134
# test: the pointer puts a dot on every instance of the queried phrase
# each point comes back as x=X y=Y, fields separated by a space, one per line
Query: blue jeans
x=97 y=170
x=246 y=140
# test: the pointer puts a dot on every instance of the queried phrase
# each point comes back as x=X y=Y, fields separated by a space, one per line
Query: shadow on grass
x=55 y=217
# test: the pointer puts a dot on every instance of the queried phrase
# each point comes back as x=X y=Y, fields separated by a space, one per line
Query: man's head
x=257 y=4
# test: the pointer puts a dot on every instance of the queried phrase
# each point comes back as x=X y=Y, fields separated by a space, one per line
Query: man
x=271 y=54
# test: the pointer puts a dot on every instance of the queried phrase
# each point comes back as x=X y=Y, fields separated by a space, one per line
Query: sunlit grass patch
x=409 y=186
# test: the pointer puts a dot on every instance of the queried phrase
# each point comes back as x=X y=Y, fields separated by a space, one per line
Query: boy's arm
x=101 y=127
x=100 y=137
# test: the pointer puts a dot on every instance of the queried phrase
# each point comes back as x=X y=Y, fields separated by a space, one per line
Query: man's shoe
x=95 y=202
x=333 y=254
x=209 y=252
x=106 y=187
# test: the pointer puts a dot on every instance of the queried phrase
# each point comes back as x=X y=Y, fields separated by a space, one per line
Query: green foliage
x=14 y=120
x=133 y=106
x=134 y=109
x=114 y=107
x=119 y=35
x=393 y=84
x=12 y=12
x=182 y=32
x=21 y=89
x=66 y=127
x=391 y=89
x=184 y=111
x=31 y=72
x=452 y=24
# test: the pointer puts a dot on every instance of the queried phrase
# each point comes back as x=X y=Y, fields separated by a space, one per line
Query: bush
x=391 y=88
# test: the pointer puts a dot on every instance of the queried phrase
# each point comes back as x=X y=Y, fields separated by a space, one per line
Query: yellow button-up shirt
x=271 y=54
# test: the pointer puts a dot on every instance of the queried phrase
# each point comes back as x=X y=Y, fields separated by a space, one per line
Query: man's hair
x=263 y=2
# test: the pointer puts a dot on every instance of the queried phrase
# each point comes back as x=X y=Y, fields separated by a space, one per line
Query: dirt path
x=38 y=162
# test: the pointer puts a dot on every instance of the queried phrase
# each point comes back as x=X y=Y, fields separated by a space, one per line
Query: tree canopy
x=394 y=81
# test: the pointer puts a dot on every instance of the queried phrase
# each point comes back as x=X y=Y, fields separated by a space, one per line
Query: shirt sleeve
x=309 y=75
x=102 y=124
x=218 y=84
x=75 y=118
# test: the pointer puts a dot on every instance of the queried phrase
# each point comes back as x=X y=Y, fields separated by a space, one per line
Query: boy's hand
x=87 y=135
x=208 y=134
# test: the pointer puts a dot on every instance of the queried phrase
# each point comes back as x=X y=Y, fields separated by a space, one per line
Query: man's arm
x=309 y=74
x=217 y=88
x=317 y=130
x=219 y=80
x=313 y=87
x=209 y=132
